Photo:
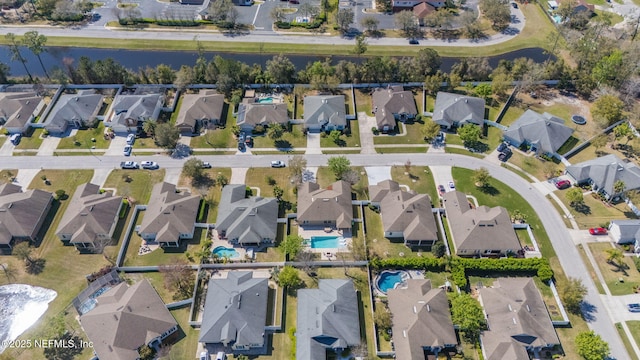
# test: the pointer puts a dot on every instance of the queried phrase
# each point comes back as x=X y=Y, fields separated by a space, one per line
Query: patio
x=326 y=253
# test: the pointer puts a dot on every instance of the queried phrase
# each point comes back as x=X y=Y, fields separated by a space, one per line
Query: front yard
x=621 y=279
x=290 y=139
x=82 y=139
x=595 y=212
x=136 y=184
x=419 y=179
x=212 y=193
x=325 y=177
x=259 y=177
x=32 y=141
x=350 y=140
x=412 y=135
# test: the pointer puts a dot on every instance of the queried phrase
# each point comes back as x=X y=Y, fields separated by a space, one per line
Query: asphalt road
x=597 y=316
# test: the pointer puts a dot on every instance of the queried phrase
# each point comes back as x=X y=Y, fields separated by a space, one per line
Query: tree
x=467 y=313
x=220 y=10
x=383 y=319
x=470 y=24
x=291 y=245
x=344 y=19
x=167 y=135
x=275 y=131
x=351 y=176
x=339 y=165
x=483 y=90
x=35 y=42
x=149 y=128
x=288 y=277
x=14 y=48
x=615 y=256
x=297 y=164
x=618 y=187
x=185 y=76
x=192 y=168
x=407 y=22
x=334 y=135
x=607 y=109
x=308 y=10
x=497 y=11
x=370 y=23
x=278 y=192
x=599 y=142
x=178 y=277
x=222 y=180
x=361 y=45
x=550 y=169
x=469 y=134
x=280 y=69
x=575 y=197
x=572 y=293
x=24 y=252
x=438 y=249
x=623 y=131
x=591 y=346
x=433 y=83
x=481 y=177
x=426 y=62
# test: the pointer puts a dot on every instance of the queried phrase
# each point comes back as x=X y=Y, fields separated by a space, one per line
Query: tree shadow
x=282 y=144
x=583 y=209
x=588 y=311
x=36 y=266
x=490 y=190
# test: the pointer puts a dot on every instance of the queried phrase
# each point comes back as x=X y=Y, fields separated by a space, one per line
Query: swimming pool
x=267 y=100
x=91 y=302
x=327 y=242
x=390 y=279
x=557 y=19
x=223 y=252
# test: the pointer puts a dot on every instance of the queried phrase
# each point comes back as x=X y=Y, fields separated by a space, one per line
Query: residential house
x=329 y=208
x=422 y=10
x=198 y=111
x=406 y=215
x=602 y=174
x=400 y=5
x=170 y=215
x=91 y=218
x=18 y=110
x=580 y=6
x=325 y=113
x=125 y=319
x=391 y=104
x=625 y=232
x=454 y=110
x=128 y=111
x=246 y=221
x=328 y=319
x=235 y=311
x=22 y=213
x=73 y=110
x=252 y=113
x=421 y=320
x=544 y=133
x=481 y=231
x=518 y=320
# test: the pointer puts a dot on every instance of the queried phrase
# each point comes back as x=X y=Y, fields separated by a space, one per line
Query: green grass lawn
x=612 y=274
x=595 y=213
x=145 y=143
x=511 y=115
x=325 y=177
x=290 y=139
x=568 y=145
x=140 y=186
x=381 y=247
x=592 y=272
x=452 y=150
x=3 y=139
x=83 y=138
x=530 y=165
x=523 y=236
x=412 y=136
x=161 y=256
x=7 y=175
x=186 y=339
x=213 y=193
x=423 y=184
x=615 y=18
x=351 y=140
x=31 y=142
x=363 y=100
x=257 y=177
x=625 y=339
x=402 y=150
x=218 y=138
x=634 y=328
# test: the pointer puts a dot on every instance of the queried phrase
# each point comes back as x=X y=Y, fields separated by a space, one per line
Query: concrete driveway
x=25 y=176
x=375 y=174
x=7 y=148
x=442 y=175
x=365 y=123
x=172 y=175
x=116 y=145
x=313 y=143
x=100 y=176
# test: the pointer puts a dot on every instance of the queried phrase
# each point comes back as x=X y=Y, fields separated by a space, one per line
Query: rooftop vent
x=528 y=308
x=415 y=310
x=510 y=308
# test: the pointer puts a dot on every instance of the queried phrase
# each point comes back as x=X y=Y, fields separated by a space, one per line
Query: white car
x=149 y=165
x=129 y=165
x=221 y=355
x=205 y=355
x=277 y=164
x=452 y=186
x=127 y=150
x=131 y=139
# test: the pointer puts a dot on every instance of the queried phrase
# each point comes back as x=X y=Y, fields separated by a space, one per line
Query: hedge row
x=428 y=264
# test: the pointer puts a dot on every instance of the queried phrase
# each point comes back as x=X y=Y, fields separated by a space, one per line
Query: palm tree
x=14 y=48
x=614 y=256
x=35 y=42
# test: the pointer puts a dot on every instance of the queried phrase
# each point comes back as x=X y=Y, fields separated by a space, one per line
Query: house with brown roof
x=125 y=319
x=252 y=113
x=90 y=218
x=421 y=320
x=518 y=320
x=170 y=215
x=198 y=111
x=22 y=213
x=400 y=5
x=18 y=109
x=330 y=207
x=422 y=10
x=481 y=231
x=393 y=104
x=406 y=215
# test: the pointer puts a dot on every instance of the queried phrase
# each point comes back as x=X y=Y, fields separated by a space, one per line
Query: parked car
x=127 y=150
x=294 y=2
x=514 y=5
x=248 y=141
x=441 y=189
x=131 y=138
x=598 y=231
x=15 y=139
x=241 y=146
x=206 y=165
x=277 y=164
x=502 y=147
x=634 y=307
x=205 y=355
x=414 y=42
x=562 y=184
x=221 y=355
x=503 y=156
x=149 y=165
x=241 y=137
x=452 y=186
x=129 y=165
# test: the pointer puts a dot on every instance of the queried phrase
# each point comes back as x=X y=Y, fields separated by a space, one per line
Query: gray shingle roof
x=421 y=319
x=481 y=229
x=83 y=106
x=325 y=109
x=391 y=101
x=125 y=318
x=517 y=317
x=605 y=171
x=629 y=230
x=545 y=131
x=327 y=319
x=235 y=310
x=129 y=109
x=251 y=114
x=169 y=213
x=17 y=108
x=247 y=219
x=333 y=203
x=89 y=214
x=206 y=105
x=452 y=108
x=20 y=212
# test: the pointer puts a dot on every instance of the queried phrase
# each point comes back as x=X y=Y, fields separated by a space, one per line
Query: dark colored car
x=414 y=42
x=514 y=5
x=502 y=147
x=441 y=189
x=563 y=184
x=598 y=231
x=634 y=307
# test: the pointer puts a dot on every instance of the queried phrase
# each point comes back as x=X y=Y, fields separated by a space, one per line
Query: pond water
x=20 y=307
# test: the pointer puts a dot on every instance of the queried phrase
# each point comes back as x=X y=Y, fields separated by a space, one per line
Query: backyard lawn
x=82 y=139
x=31 y=142
x=614 y=273
x=351 y=140
x=363 y=100
x=290 y=139
x=136 y=184
x=594 y=212
x=381 y=247
x=161 y=256
x=419 y=179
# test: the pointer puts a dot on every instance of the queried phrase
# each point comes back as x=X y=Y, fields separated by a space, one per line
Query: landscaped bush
x=428 y=264
x=283 y=25
x=203 y=205
x=538 y=266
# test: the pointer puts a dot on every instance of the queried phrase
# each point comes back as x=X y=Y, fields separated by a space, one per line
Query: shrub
x=203 y=205
x=636 y=262
x=270 y=180
x=259 y=129
x=283 y=25
x=60 y=193
x=323 y=134
x=375 y=130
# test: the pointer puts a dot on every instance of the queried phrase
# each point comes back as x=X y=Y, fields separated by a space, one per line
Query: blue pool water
x=222 y=251
x=325 y=242
x=92 y=302
x=557 y=19
x=388 y=280
x=267 y=100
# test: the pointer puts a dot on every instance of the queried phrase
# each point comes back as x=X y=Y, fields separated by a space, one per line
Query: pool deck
x=326 y=253
x=413 y=274
x=222 y=242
